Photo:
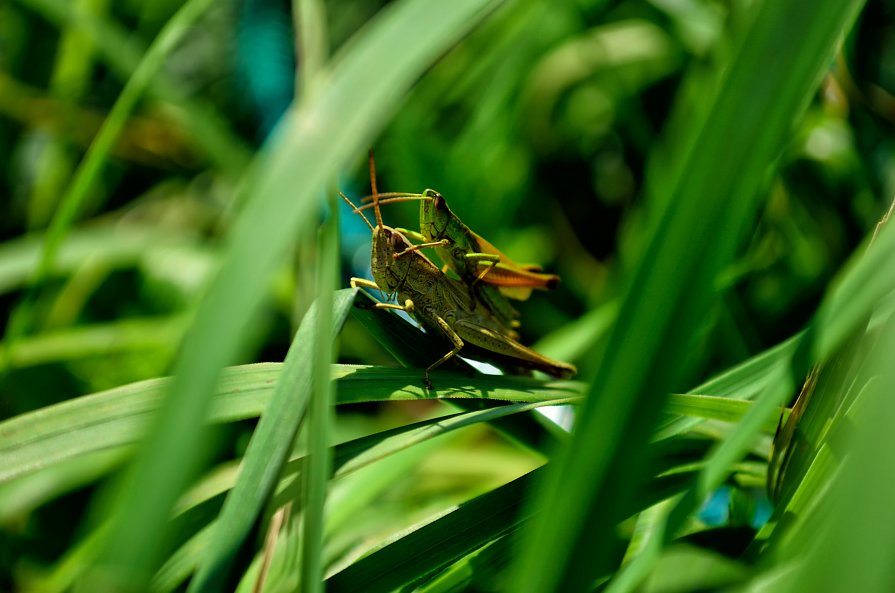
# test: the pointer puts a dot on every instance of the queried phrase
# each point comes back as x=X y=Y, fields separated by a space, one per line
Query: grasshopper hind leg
x=452 y=336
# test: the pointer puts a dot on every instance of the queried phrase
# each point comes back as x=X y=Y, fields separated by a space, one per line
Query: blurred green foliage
x=541 y=126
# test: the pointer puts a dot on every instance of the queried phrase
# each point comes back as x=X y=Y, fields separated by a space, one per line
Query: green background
x=705 y=177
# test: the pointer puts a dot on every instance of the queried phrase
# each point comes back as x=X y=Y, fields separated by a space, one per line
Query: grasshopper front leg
x=413 y=248
x=451 y=335
x=411 y=234
x=364 y=283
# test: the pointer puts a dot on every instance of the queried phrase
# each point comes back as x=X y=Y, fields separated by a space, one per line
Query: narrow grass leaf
x=114 y=247
x=823 y=339
x=864 y=282
x=318 y=466
x=52 y=435
x=314 y=143
x=88 y=171
x=120 y=50
x=70 y=79
x=348 y=458
x=85 y=341
x=744 y=381
x=856 y=520
x=428 y=549
x=712 y=408
x=698 y=214
x=270 y=444
x=413 y=556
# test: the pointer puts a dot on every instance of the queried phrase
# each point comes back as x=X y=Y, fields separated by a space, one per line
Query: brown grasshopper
x=441 y=303
x=491 y=276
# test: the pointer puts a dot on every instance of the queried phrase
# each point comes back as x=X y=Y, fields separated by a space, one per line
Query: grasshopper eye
x=438 y=202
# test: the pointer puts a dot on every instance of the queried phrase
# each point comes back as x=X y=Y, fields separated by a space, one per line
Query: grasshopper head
x=435 y=216
x=389 y=271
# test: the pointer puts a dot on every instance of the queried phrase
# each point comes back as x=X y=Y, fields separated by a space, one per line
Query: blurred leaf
x=313 y=144
x=119 y=246
x=364 y=453
x=94 y=340
x=699 y=205
x=54 y=434
x=88 y=172
x=437 y=543
x=712 y=408
x=119 y=48
x=459 y=532
x=686 y=568
x=270 y=444
x=742 y=382
x=855 y=506
x=823 y=338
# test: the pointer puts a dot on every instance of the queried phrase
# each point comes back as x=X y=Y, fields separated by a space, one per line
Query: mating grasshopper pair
x=491 y=276
x=444 y=304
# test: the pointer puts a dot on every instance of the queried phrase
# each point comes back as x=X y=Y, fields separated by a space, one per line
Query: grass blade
x=857 y=508
x=426 y=550
x=119 y=49
x=52 y=435
x=708 y=191
x=270 y=444
x=856 y=300
x=313 y=144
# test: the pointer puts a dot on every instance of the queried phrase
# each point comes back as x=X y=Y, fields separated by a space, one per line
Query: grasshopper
x=492 y=277
x=441 y=303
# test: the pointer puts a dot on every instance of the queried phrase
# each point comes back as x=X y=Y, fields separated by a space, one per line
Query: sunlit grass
x=219 y=475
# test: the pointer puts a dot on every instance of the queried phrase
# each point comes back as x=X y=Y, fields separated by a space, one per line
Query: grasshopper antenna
x=394 y=194
x=391 y=198
x=350 y=203
x=375 y=193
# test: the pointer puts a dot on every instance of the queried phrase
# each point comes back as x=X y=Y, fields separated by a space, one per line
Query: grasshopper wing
x=515 y=280
x=500 y=348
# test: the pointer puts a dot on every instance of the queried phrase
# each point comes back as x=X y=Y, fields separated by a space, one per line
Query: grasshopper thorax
x=435 y=216
x=389 y=270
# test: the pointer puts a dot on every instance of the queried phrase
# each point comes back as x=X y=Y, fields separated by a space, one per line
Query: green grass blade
x=744 y=381
x=94 y=340
x=122 y=53
x=72 y=70
x=712 y=408
x=410 y=557
x=310 y=21
x=429 y=548
x=97 y=154
x=699 y=212
x=320 y=416
x=348 y=457
x=119 y=246
x=854 y=525
x=56 y=434
x=314 y=142
x=271 y=443
x=52 y=435
x=864 y=281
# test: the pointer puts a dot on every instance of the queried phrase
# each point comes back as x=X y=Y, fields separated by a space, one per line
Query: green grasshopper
x=492 y=277
x=441 y=303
